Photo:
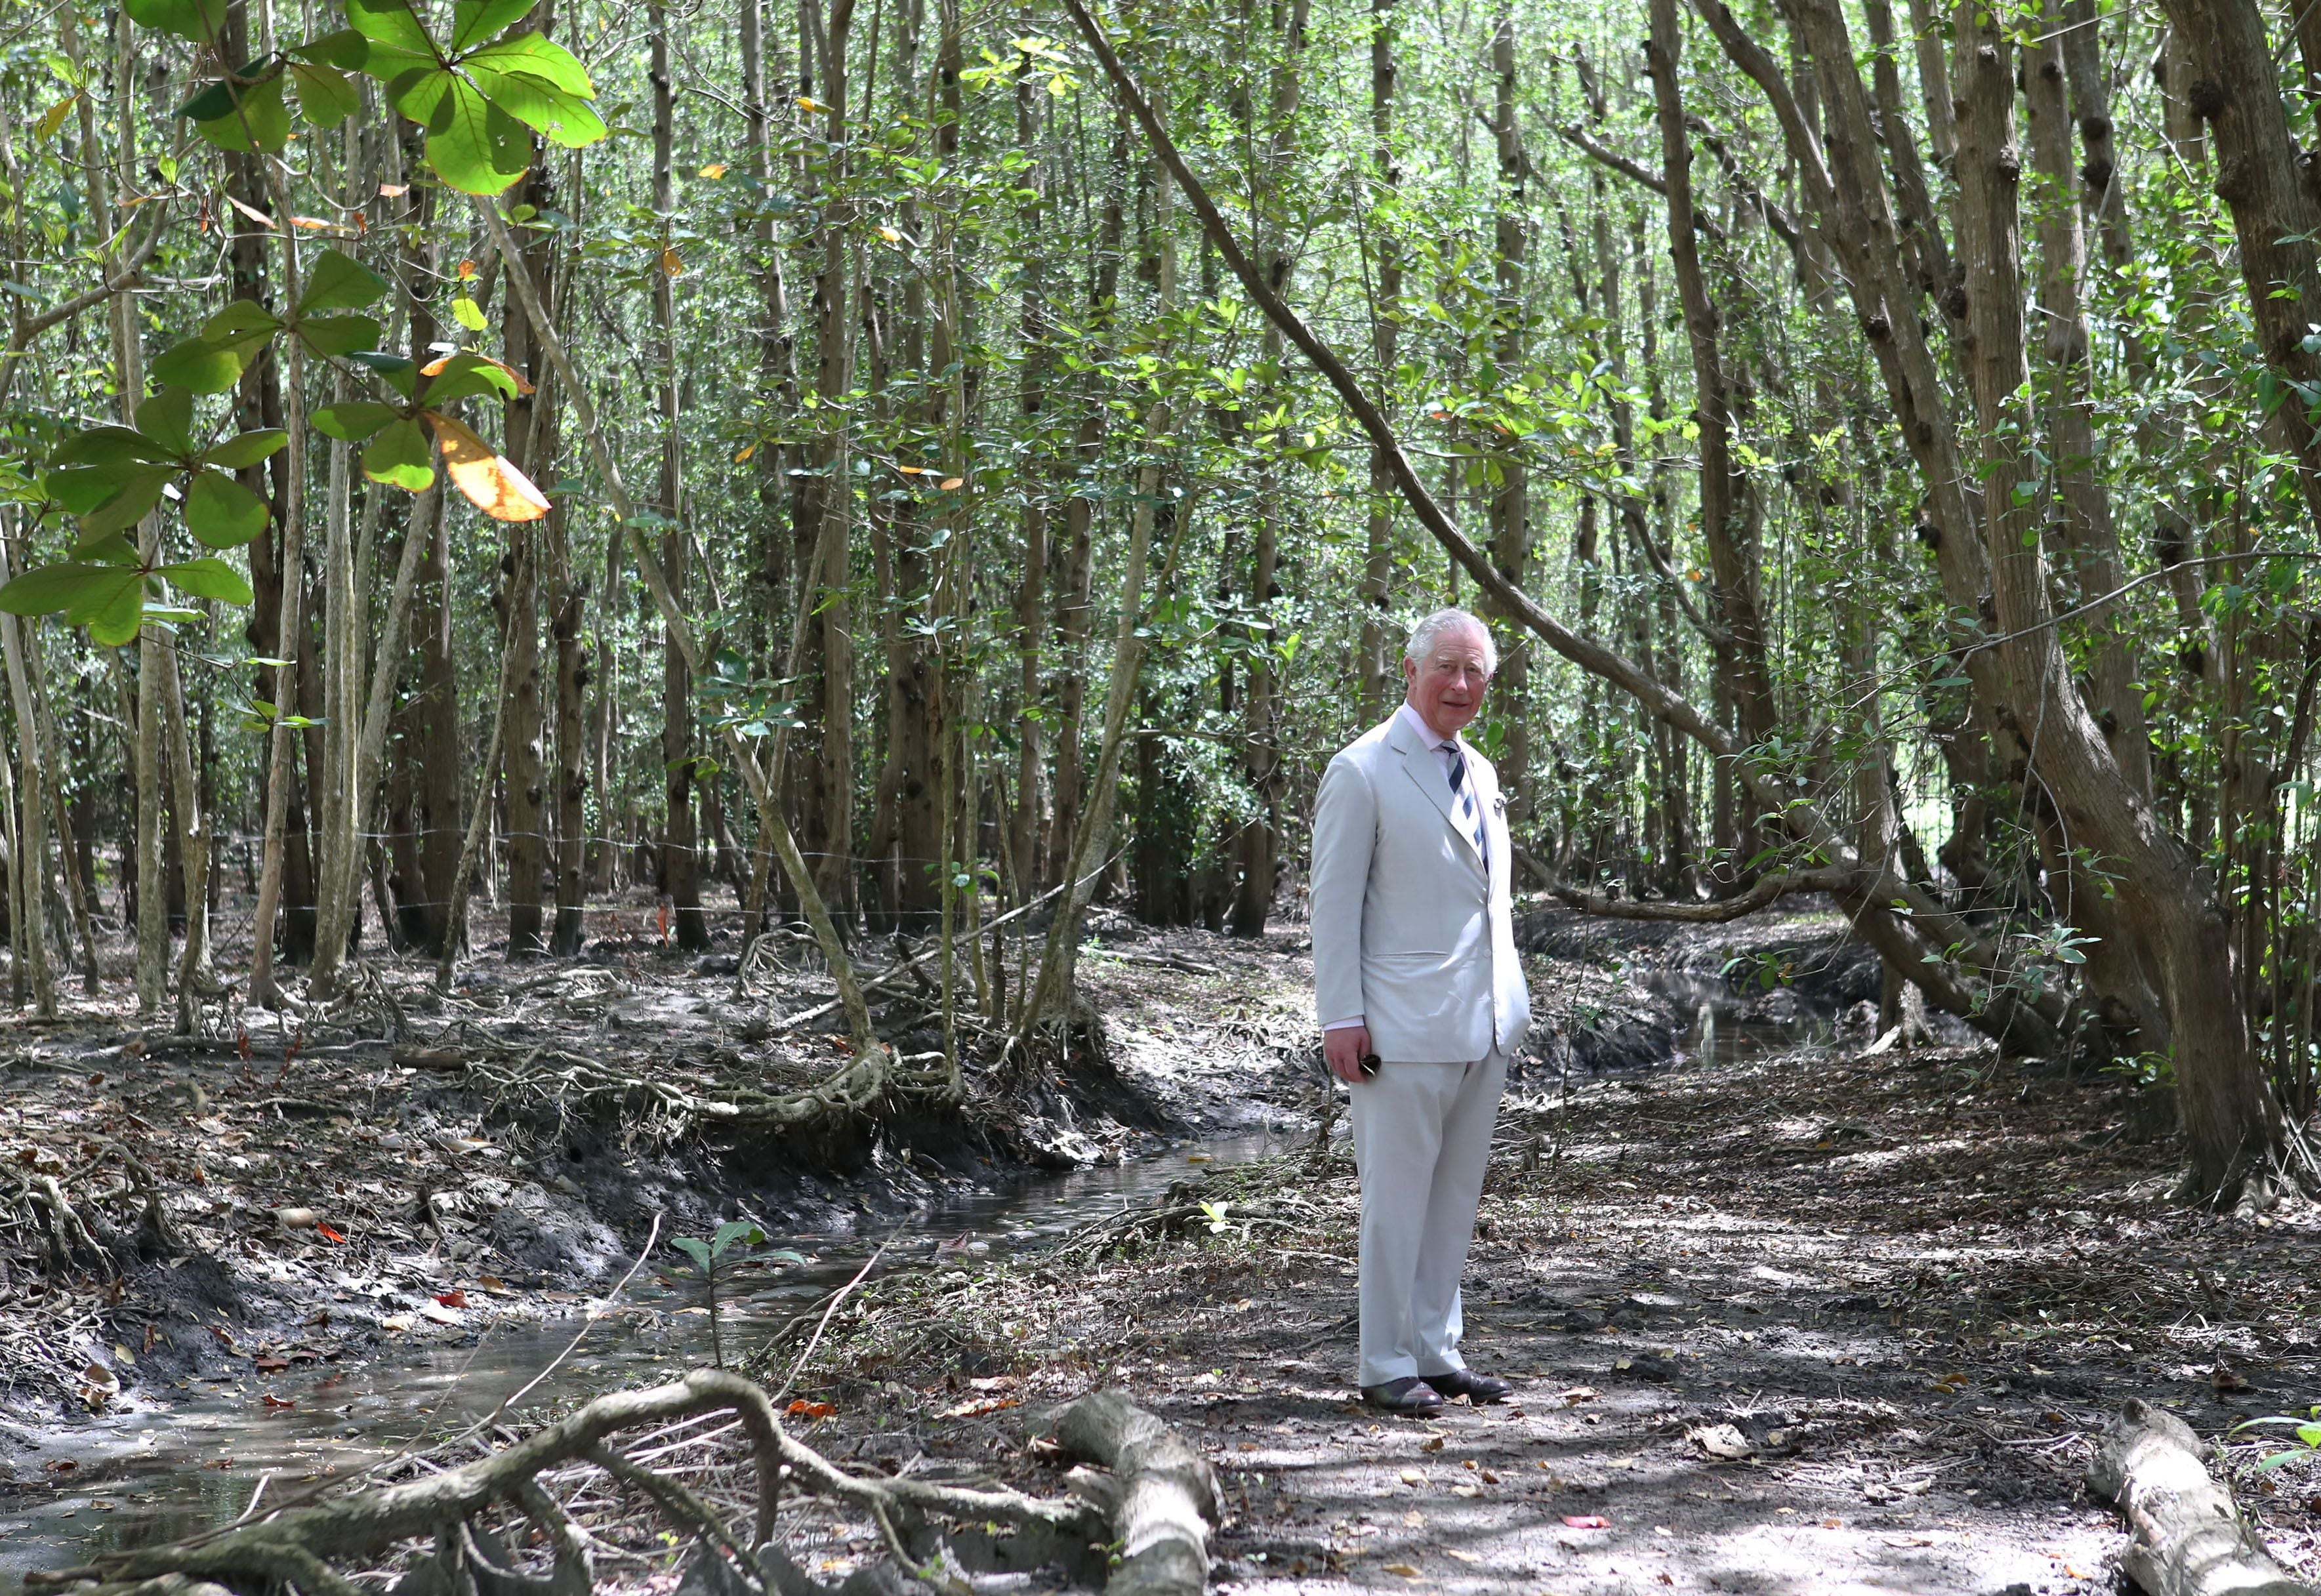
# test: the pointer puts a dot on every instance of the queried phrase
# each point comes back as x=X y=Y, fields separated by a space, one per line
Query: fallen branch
x=1766 y=891
x=2184 y=1536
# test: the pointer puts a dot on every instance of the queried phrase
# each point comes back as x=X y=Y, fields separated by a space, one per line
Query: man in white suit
x=1421 y=1002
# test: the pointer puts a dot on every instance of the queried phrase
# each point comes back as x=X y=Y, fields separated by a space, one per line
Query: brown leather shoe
x=1477 y=1388
x=1410 y=1396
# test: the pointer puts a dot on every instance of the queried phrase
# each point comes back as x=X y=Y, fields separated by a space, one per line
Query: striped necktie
x=1470 y=812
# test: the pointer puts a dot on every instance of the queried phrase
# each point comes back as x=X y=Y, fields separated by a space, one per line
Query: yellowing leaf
x=805 y=104
x=747 y=450
x=311 y=224
x=890 y=235
x=53 y=118
x=714 y=170
x=492 y=484
x=672 y=262
x=951 y=482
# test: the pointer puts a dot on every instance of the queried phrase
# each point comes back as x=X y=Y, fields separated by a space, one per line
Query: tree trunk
x=1374 y=665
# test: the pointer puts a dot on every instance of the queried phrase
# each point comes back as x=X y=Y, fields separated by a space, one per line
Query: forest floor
x=1785 y=1319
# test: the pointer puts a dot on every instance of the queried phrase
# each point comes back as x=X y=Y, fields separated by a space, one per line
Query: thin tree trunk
x=1374 y=664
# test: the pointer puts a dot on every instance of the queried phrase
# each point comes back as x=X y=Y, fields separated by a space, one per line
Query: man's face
x=1446 y=687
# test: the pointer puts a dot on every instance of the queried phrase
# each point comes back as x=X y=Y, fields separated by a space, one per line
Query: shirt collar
x=1425 y=733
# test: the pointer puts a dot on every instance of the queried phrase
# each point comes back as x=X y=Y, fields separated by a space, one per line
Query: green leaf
x=692 y=1247
x=538 y=56
x=473 y=145
x=400 y=457
x=391 y=22
x=338 y=335
x=199 y=365
x=46 y=588
x=263 y=122
x=353 y=421
x=469 y=314
x=344 y=48
x=168 y=419
x=197 y=20
x=401 y=374
x=210 y=102
x=338 y=281
x=109 y=549
x=465 y=374
x=475 y=21
x=326 y=95
x=241 y=322
x=139 y=492
x=561 y=118
x=221 y=512
x=115 y=620
x=104 y=446
x=245 y=449
x=208 y=578
x=732 y=1231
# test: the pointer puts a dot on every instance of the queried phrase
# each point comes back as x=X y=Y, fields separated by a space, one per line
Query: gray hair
x=1429 y=632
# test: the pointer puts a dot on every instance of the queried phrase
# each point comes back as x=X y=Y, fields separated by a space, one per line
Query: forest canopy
x=854 y=472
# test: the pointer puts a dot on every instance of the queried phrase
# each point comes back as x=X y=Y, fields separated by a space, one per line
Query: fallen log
x=2184 y=1536
x=1167 y=1498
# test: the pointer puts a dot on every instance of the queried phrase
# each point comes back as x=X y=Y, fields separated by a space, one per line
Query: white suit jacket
x=1411 y=930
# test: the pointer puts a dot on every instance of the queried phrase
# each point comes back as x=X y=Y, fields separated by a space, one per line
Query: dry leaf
x=951 y=482
x=802 y=1409
x=1431 y=1444
x=1463 y=1556
x=1586 y=1522
x=1404 y=1569
x=392 y=190
x=494 y=486
x=1720 y=1440
x=439 y=1313
x=278 y=1403
x=1578 y=1394
x=976 y=1410
x=466 y=272
x=672 y=264
x=1412 y=1477
x=454 y=1298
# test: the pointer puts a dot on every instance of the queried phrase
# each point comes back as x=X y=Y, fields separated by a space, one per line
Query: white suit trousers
x=1422 y=1137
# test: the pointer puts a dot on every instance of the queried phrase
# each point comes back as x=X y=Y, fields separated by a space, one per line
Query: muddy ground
x=1797 y=1320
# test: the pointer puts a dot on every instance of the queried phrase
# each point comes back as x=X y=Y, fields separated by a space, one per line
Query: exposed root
x=1166 y=1499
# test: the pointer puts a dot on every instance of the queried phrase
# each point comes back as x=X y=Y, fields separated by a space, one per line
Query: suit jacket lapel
x=1424 y=767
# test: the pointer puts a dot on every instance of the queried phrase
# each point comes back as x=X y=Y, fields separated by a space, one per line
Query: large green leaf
x=473 y=145
x=400 y=457
x=344 y=48
x=105 y=446
x=168 y=419
x=200 y=365
x=46 y=588
x=338 y=281
x=338 y=335
x=241 y=321
x=261 y=122
x=221 y=512
x=353 y=421
x=539 y=56
x=245 y=449
x=462 y=375
x=475 y=21
x=115 y=620
x=197 y=20
x=391 y=22
x=561 y=118
x=139 y=492
x=401 y=374
x=106 y=598
x=326 y=95
x=208 y=579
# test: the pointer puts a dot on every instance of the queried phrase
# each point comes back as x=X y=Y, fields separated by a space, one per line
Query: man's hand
x=1343 y=1049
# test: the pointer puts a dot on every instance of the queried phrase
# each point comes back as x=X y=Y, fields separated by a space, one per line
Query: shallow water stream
x=147 y=1476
